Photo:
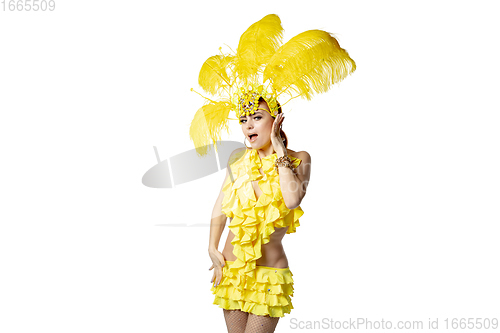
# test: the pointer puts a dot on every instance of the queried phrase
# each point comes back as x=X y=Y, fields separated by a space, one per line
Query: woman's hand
x=276 y=139
x=218 y=262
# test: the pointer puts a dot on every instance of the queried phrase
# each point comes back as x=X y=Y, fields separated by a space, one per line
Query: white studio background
x=402 y=212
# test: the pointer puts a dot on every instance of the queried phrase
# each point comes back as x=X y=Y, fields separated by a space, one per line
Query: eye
x=244 y=120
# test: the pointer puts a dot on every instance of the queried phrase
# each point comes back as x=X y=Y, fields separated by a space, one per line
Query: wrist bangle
x=283 y=161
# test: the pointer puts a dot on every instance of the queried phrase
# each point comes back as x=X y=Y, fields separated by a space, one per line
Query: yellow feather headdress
x=309 y=63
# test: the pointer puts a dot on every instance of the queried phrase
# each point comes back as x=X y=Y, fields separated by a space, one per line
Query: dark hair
x=282 y=133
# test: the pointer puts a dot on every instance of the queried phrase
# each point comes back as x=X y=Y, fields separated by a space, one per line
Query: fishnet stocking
x=236 y=320
x=261 y=324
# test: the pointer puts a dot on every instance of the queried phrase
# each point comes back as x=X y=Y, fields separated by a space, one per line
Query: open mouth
x=253 y=137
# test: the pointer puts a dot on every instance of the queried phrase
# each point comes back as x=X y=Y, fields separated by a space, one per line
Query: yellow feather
x=309 y=62
x=213 y=74
x=257 y=45
x=207 y=125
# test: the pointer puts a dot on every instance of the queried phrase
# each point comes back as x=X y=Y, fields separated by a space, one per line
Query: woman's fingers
x=218 y=273
x=217 y=277
x=214 y=279
x=218 y=262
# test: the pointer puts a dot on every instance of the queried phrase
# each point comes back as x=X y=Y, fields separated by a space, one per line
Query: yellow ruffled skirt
x=268 y=294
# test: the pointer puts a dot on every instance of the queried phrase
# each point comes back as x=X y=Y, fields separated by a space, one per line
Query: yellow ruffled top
x=254 y=220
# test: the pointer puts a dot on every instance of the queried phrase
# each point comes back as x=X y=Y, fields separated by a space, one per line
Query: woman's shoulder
x=236 y=156
x=237 y=153
x=302 y=155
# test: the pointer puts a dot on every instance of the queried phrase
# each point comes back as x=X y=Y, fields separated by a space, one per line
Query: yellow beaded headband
x=262 y=66
x=248 y=101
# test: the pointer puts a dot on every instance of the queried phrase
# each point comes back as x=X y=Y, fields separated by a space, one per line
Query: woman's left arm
x=294 y=183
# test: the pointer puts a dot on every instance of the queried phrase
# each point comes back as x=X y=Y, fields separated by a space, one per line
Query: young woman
x=266 y=182
x=251 y=280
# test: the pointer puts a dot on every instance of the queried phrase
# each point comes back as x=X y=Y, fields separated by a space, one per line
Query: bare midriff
x=273 y=254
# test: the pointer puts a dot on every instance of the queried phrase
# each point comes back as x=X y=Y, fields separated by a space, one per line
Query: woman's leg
x=236 y=320
x=261 y=324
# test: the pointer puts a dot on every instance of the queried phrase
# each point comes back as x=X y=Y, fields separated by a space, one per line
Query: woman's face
x=260 y=123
